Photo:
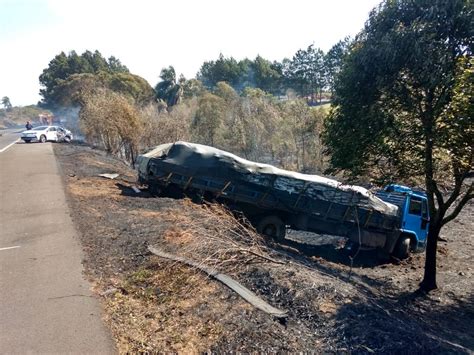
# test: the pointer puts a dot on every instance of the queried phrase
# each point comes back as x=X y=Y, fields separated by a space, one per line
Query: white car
x=47 y=133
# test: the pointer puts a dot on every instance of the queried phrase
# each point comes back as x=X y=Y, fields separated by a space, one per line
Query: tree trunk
x=429 y=279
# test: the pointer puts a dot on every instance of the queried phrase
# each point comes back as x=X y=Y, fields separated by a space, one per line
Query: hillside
x=18 y=115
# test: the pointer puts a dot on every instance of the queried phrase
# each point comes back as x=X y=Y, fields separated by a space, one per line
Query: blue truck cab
x=413 y=215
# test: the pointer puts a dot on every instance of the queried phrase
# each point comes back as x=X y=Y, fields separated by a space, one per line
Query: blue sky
x=19 y=16
x=148 y=35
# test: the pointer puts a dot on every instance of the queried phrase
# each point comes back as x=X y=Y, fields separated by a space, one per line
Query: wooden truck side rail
x=296 y=209
x=270 y=197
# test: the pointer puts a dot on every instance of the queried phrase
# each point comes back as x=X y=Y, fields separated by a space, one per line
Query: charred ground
x=155 y=304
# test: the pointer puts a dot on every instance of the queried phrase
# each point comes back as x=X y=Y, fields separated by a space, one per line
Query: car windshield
x=40 y=128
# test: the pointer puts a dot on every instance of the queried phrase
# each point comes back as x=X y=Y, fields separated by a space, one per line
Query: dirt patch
x=153 y=304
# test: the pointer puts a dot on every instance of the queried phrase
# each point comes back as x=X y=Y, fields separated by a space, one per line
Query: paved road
x=8 y=136
x=45 y=304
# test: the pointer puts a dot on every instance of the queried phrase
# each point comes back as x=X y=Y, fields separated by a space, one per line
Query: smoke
x=68 y=117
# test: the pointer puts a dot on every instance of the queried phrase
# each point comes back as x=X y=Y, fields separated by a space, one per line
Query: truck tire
x=154 y=190
x=272 y=226
x=402 y=249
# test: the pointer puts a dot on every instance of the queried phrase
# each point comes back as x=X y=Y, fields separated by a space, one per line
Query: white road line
x=7 y=248
x=8 y=146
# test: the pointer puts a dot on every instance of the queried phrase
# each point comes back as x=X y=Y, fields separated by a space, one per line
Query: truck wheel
x=42 y=138
x=402 y=249
x=154 y=190
x=272 y=226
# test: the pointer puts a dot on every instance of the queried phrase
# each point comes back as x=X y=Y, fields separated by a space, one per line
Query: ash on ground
x=153 y=304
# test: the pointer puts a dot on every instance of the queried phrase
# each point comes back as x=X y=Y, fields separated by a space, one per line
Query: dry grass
x=167 y=306
x=213 y=236
x=174 y=311
x=94 y=187
x=156 y=305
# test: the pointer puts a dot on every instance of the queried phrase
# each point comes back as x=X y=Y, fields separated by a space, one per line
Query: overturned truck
x=274 y=199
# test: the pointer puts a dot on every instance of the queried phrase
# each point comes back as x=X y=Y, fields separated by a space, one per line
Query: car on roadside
x=47 y=133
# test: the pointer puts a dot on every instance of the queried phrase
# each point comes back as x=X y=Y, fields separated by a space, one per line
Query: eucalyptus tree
x=168 y=89
x=403 y=102
x=307 y=71
x=6 y=103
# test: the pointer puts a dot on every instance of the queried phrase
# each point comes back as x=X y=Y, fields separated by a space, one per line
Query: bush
x=112 y=122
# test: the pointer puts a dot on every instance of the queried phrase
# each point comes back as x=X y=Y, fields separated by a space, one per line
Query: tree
x=62 y=66
x=116 y=66
x=109 y=120
x=193 y=88
x=333 y=61
x=6 y=103
x=168 y=89
x=223 y=69
x=208 y=120
x=305 y=124
x=263 y=125
x=307 y=71
x=71 y=92
x=403 y=102
x=259 y=73
x=266 y=75
x=129 y=85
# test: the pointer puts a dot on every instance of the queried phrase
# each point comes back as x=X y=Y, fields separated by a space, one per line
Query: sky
x=147 y=35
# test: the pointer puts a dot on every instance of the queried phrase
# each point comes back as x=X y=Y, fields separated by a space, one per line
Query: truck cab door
x=415 y=218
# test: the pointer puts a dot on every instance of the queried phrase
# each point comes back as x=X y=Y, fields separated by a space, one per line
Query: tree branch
x=468 y=196
x=437 y=105
x=439 y=195
x=458 y=180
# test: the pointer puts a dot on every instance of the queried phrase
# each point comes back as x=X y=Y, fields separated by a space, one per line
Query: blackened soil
x=155 y=305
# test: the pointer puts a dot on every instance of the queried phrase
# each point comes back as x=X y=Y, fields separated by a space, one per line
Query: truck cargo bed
x=310 y=201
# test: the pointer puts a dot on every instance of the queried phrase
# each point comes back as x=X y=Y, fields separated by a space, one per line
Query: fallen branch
x=264 y=257
x=242 y=291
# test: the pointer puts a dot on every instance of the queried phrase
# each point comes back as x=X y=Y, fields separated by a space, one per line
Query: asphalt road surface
x=8 y=137
x=46 y=305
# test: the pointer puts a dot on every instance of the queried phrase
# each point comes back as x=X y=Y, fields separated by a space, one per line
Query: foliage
x=111 y=121
x=161 y=126
x=333 y=61
x=208 y=120
x=254 y=125
x=306 y=71
x=223 y=69
x=193 y=88
x=456 y=136
x=6 y=103
x=398 y=104
x=168 y=89
x=71 y=91
x=306 y=127
x=129 y=85
x=259 y=73
x=62 y=66
x=266 y=76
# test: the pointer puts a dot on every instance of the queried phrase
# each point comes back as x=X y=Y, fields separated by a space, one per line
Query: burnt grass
x=153 y=304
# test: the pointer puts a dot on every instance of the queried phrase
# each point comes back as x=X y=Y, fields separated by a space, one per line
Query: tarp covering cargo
x=196 y=160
